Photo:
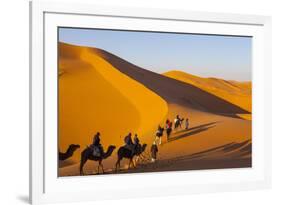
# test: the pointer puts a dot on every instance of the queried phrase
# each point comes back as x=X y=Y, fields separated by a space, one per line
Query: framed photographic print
x=129 y=102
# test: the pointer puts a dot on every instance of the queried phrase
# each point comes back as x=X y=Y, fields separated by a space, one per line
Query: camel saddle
x=130 y=147
x=96 y=151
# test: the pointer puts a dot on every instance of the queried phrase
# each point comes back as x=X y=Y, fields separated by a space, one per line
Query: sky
x=227 y=57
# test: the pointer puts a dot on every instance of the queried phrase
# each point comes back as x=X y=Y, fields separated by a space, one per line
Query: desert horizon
x=102 y=92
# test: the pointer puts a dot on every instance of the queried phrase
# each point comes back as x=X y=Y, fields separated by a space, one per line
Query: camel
x=87 y=154
x=169 y=130
x=178 y=123
x=124 y=152
x=69 y=152
x=159 y=135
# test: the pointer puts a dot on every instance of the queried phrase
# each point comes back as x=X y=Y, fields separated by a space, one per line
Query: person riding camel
x=96 y=146
x=168 y=127
x=136 y=140
x=129 y=142
x=178 y=121
x=159 y=134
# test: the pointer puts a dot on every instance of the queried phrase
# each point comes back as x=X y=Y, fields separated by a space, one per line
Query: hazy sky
x=225 y=57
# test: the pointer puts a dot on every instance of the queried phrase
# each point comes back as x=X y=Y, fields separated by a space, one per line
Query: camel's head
x=112 y=147
x=144 y=147
x=74 y=147
x=109 y=151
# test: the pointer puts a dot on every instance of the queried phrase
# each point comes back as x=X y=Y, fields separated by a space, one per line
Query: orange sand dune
x=212 y=142
x=94 y=96
x=100 y=91
x=206 y=131
x=237 y=93
x=174 y=91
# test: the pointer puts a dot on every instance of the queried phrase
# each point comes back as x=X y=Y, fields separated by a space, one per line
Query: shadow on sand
x=231 y=155
x=192 y=131
x=174 y=91
x=66 y=163
x=239 y=149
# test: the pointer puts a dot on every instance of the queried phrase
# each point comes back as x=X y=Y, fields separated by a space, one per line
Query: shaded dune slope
x=172 y=90
x=94 y=96
x=237 y=93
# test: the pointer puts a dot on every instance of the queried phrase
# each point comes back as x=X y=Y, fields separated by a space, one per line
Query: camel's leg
x=101 y=167
x=129 y=163
x=143 y=156
x=156 y=139
x=117 y=165
x=137 y=159
x=98 y=168
x=140 y=157
x=82 y=162
x=134 y=162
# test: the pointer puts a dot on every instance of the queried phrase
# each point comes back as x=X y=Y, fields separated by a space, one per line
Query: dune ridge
x=137 y=93
x=238 y=93
x=174 y=91
x=103 y=101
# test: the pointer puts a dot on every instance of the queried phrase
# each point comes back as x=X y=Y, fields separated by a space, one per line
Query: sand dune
x=175 y=91
x=237 y=93
x=94 y=96
x=115 y=96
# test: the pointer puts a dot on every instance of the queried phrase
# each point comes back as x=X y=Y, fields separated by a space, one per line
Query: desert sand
x=237 y=93
x=99 y=91
x=94 y=96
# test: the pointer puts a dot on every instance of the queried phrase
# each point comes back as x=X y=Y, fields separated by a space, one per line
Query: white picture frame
x=46 y=187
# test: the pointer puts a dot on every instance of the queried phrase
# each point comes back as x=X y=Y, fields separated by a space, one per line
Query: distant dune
x=94 y=96
x=237 y=93
x=174 y=91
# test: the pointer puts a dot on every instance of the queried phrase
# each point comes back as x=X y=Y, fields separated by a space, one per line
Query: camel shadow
x=229 y=155
x=193 y=131
x=241 y=149
x=66 y=163
x=197 y=127
x=235 y=146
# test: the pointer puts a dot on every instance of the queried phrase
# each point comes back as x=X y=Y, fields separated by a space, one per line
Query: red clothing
x=170 y=125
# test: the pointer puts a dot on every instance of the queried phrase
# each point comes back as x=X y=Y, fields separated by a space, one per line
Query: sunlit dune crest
x=238 y=93
x=94 y=96
x=172 y=90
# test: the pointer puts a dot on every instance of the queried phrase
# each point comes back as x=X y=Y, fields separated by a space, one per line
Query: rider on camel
x=129 y=142
x=96 y=146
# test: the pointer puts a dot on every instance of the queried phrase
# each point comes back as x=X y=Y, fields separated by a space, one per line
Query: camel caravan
x=132 y=149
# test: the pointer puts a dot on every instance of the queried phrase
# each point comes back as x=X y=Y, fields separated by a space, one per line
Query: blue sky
x=227 y=57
